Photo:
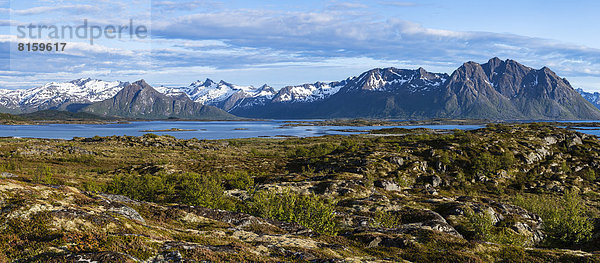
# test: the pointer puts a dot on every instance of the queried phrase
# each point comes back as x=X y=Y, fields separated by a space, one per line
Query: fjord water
x=209 y=130
x=203 y=129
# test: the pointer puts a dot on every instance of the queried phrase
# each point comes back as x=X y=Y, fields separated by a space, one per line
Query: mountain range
x=497 y=89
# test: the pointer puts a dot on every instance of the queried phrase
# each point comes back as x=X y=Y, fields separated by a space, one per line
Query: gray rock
x=576 y=140
x=127 y=212
x=397 y=160
x=496 y=217
x=168 y=256
x=436 y=180
x=437 y=223
x=550 y=140
x=430 y=190
x=7 y=175
x=432 y=180
x=440 y=167
x=389 y=242
x=118 y=198
x=387 y=185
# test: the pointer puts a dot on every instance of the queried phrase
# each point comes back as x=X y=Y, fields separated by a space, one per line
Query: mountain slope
x=140 y=100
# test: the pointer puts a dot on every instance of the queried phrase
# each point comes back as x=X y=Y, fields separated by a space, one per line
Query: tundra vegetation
x=504 y=193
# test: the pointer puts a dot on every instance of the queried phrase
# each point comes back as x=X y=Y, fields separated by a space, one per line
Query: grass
x=324 y=183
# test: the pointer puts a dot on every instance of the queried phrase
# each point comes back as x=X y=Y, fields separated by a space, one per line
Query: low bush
x=43 y=175
x=238 y=180
x=566 y=222
x=482 y=228
x=310 y=211
x=188 y=188
x=387 y=219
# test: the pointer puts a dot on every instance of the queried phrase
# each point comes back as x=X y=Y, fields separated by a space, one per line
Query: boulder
x=387 y=185
x=397 y=160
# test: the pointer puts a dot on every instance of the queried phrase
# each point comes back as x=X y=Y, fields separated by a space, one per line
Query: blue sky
x=291 y=42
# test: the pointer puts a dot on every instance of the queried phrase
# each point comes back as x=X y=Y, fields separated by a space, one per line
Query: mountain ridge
x=497 y=89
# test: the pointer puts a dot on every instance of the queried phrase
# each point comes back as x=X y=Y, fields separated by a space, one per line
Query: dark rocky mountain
x=140 y=100
x=495 y=90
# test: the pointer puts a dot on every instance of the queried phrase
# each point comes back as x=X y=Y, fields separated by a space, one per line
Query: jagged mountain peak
x=206 y=83
x=142 y=83
x=80 y=81
x=266 y=88
x=222 y=82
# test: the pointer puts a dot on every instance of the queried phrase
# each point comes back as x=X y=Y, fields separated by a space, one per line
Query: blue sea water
x=203 y=129
x=208 y=130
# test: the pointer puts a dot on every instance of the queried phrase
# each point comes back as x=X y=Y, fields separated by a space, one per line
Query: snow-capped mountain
x=393 y=79
x=308 y=92
x=223 y=95
x=59 y=95
x=593 y=98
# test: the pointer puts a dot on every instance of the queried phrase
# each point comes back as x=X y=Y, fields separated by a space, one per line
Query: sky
x=283 y=43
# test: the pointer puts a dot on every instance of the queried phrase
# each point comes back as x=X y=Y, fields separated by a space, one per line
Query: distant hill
x=61 y=115
x=50 y=115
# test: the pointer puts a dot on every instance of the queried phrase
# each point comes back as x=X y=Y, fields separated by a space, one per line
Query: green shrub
x=316 y=150
x=483 y=228
x=204 y=191
x=481 y=225
x=189 y=188
x=387 y=219
x=93 y=186
x=307 y=210
x=238 y=180
x=140 y=187
x=588 y=175
x=565 y=220
x=10 y=166
x=488 y=163
x=42 y=175
x=81 y=158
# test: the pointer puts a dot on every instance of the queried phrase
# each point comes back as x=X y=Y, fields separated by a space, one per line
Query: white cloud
x=227 y=40
x=49 y=9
